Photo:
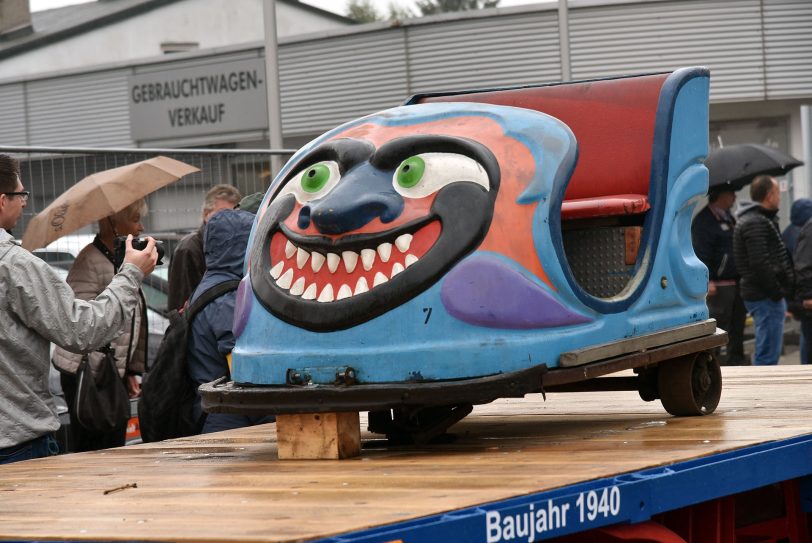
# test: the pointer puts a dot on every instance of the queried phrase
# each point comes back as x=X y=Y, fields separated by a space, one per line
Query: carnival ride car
x=475 y=245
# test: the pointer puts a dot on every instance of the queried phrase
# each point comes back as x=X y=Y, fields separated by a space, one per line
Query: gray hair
x=225 y=192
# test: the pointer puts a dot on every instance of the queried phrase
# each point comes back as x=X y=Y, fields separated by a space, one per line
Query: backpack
x=168 y=394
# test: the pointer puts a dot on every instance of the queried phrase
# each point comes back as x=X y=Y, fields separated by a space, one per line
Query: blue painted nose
x=363 y=194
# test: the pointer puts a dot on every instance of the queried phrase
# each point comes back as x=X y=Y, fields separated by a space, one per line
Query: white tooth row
x=297 y=288
x=350 y=258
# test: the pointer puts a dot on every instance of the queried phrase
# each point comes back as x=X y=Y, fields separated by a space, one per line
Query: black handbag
x=102 y=401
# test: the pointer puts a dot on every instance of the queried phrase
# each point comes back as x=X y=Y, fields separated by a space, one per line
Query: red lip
x=314 y=280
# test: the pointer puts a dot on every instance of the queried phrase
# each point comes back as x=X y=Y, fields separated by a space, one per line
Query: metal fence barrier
x=173 y=210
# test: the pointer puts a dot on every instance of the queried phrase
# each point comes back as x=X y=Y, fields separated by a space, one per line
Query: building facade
x=116 y=31
x=759 y=53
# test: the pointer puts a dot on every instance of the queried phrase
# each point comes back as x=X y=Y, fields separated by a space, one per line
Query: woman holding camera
x=91 y=273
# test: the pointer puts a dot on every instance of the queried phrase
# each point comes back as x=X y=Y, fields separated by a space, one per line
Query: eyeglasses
x=22 y=194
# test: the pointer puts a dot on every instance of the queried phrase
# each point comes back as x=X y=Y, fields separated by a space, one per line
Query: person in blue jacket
x=211 y=340
x=799 y=215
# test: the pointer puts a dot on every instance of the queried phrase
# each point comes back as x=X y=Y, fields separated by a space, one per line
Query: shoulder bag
x=102 y=401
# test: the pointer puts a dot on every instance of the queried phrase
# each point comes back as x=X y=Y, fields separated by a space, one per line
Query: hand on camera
x=145 y=259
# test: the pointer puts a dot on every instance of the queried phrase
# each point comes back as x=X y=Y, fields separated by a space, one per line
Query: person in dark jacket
x=187 y=265
x=211 y=340
x=765 y=265
x=799 y=214
x=712 y=235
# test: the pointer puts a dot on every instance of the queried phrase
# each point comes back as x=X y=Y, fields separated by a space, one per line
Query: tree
x=433 y=7
x=363 y=11
x=398 y=12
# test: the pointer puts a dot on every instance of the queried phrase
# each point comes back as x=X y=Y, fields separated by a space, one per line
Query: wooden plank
x=579 y=374
x=231 y=487
x=313 y=436
x=636 y=344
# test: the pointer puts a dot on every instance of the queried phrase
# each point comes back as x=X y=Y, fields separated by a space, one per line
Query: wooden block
x=314 y=436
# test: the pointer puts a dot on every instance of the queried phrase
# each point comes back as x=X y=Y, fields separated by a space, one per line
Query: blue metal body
x=424 y=337
x=631 y=497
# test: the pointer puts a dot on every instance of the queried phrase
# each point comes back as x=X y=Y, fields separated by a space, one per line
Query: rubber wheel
x=690 y=385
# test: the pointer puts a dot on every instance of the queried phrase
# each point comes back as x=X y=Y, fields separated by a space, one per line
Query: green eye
x=315 y=177
x=410 y=172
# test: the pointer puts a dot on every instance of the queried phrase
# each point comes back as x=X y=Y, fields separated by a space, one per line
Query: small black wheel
x=417 y=424
x=690 y=385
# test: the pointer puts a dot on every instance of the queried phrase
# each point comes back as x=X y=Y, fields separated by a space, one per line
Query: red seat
x=613 y=122
x=604 y=206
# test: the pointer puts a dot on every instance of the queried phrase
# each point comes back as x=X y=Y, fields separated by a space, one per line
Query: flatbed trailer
x=518 y=470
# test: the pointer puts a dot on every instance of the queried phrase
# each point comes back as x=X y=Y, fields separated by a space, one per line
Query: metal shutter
x=788 y=48
x=12 y=111
x=724 y=35
x=485 y=52
x=330 y=81
x=80 y=110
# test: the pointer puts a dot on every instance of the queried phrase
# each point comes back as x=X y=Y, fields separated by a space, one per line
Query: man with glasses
x=38 y=308
x=16 y=200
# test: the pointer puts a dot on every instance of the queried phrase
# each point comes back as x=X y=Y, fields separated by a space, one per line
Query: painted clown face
x=360 y=225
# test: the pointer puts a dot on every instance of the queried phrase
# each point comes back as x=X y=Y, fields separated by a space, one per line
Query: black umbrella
x=735 y=166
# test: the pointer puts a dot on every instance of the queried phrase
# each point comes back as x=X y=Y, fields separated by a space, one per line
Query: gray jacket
x=88 y=277
x=38 y=308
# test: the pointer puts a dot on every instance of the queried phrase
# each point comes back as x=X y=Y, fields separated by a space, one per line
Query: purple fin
x=243 y=307
x=487 y=291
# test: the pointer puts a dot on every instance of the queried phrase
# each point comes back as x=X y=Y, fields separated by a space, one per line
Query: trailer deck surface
x=231 y=486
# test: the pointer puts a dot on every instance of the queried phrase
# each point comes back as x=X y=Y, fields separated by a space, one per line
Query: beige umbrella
x=99 y=195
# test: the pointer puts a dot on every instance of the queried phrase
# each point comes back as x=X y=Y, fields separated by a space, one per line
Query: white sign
x=198 y=101
x=537 y=519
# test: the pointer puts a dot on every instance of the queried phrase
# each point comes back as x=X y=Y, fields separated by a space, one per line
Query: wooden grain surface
x=231 y=486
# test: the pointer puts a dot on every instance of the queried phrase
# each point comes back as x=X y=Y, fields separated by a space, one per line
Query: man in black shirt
x=712 y=234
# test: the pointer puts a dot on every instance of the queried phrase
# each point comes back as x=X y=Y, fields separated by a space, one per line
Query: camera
x=138 y=244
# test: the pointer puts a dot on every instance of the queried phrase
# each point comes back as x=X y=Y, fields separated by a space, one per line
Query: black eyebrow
x=392 y=153
x=346 y=152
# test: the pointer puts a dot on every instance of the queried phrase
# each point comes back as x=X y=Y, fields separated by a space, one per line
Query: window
x=168 y=47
